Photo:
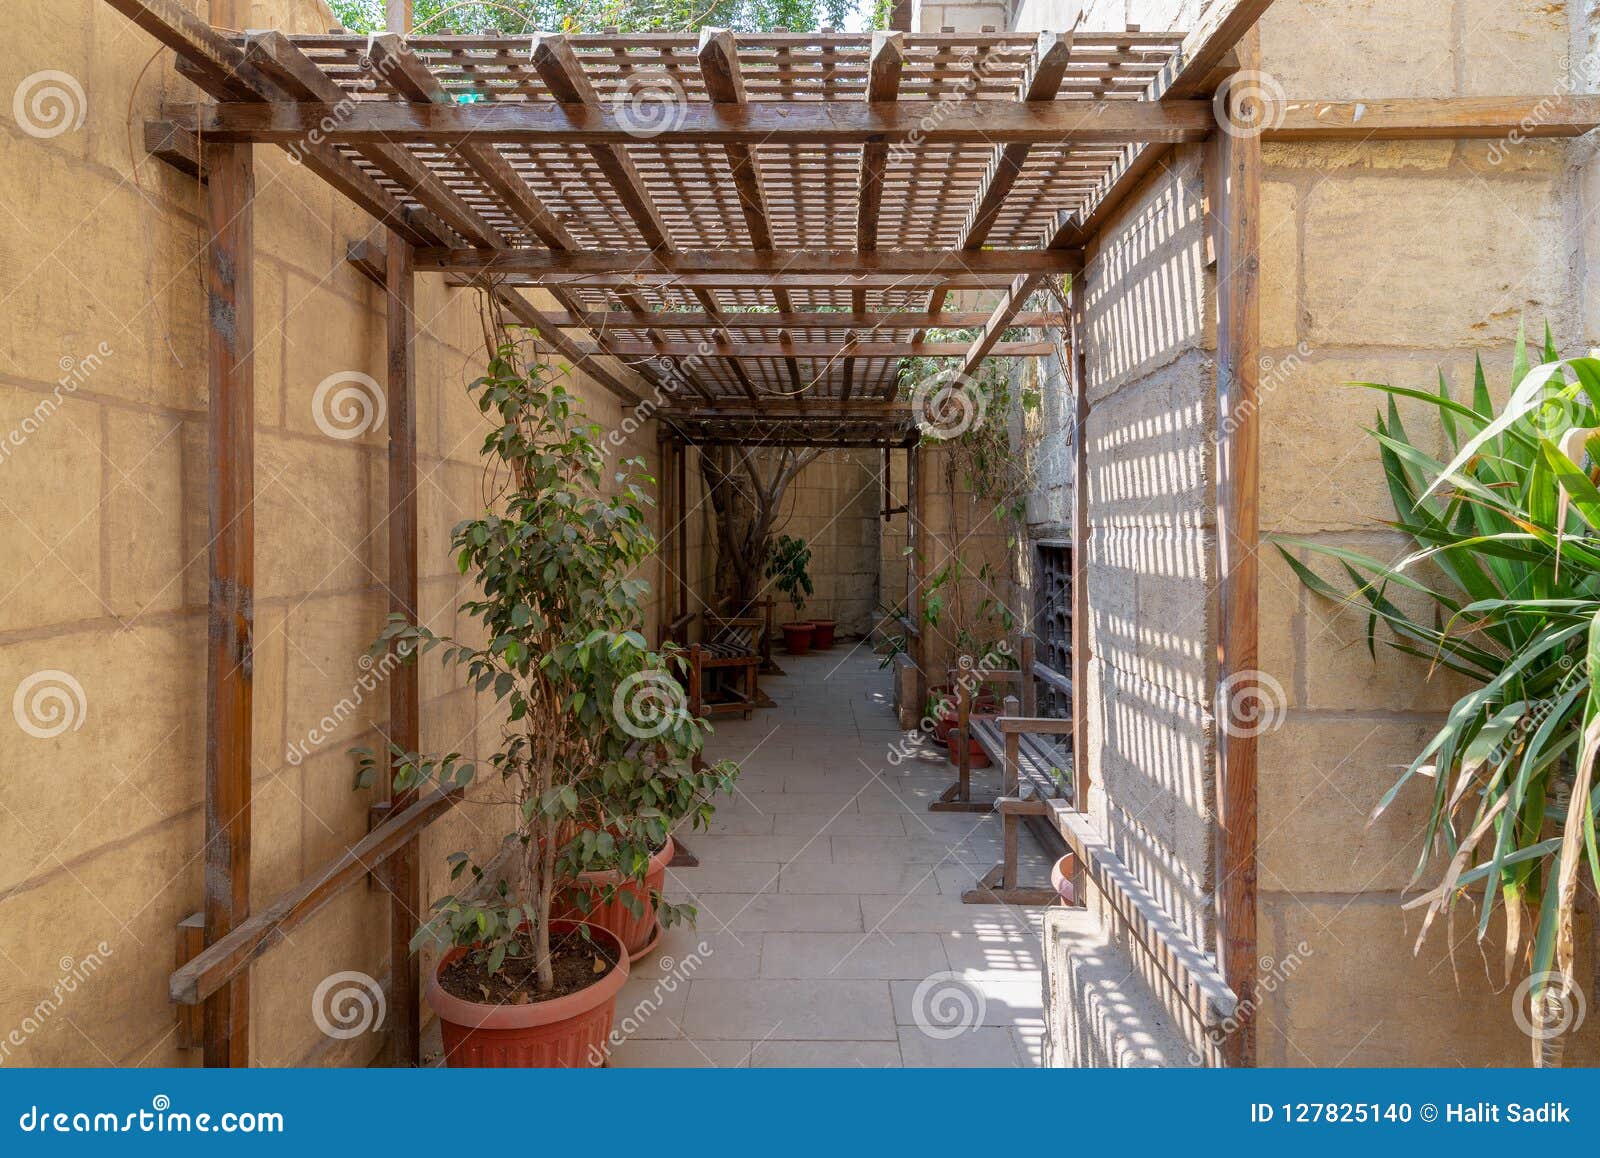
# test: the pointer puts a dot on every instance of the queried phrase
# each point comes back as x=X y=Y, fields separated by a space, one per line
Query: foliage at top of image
x=477 y=17
x=1503 y=588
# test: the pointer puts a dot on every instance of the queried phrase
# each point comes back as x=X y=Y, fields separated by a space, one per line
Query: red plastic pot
x=568 y=1032
x=951 y=716
x=822 y=636
x=797 y=637
x=637 y=933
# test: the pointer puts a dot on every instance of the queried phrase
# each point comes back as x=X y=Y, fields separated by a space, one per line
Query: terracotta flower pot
x=977 y=757
x=1061 y=879
x=637 y=933
x=950 y=715
x=822 y=637
x=567 y=1032
x=797 y=637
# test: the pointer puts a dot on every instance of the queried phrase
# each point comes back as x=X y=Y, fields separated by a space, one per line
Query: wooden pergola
x=742 y=235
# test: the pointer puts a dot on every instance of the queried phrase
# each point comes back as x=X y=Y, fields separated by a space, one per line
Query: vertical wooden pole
x=405 y=717
x=1236 y=171
x=1080 y=549
x=682 y=470
x=230 y=317
x=398 y=14
x=914 y=568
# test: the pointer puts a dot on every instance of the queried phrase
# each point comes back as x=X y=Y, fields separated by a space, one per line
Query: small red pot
x=977 y=757
x=638 y=934
x=951 y=716
x=797 y=637
x=822 y=636
x=1061 y=879
x=568 y=1032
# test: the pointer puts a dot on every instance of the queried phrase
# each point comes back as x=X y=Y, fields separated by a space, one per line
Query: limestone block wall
x=103 y=575
x=1385 y=262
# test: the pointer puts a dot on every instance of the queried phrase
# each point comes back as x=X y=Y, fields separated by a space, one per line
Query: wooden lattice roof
x=776 y=216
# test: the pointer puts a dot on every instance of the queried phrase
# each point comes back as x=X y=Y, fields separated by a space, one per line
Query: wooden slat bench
x=729 y=647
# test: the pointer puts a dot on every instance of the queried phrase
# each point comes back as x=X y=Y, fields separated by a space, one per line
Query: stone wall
x=103 y=576
x=1384 y=262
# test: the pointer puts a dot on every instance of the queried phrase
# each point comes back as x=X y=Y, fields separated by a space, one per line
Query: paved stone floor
x=831 y=930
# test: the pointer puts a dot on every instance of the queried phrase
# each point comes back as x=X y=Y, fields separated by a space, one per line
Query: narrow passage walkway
x=829 y=898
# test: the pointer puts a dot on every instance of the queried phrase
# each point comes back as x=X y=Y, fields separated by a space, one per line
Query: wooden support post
x=1235 y=172
x=230 y=316
x=191 y=943
x=682 y=514
x=405 y=719
x=1026 y=654
x=1080 y=549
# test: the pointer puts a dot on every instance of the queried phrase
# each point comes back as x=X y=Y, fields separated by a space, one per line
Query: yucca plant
x=1511 y=528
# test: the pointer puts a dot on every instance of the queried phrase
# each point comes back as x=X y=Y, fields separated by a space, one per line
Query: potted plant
x=598 y=754
x=787 y=561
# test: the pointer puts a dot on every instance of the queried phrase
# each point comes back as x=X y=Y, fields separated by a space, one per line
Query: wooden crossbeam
x=1437 y=118
x=789 y=348
x=843 y=263
x=408 y=75
x=999 y=322
x=623 y=282
x=884 y=68
x=626 y=384
x=794 y=320
x=974 y=122
x=228 y=957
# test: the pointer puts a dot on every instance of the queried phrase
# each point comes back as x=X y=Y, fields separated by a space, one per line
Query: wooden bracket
x=174 y=146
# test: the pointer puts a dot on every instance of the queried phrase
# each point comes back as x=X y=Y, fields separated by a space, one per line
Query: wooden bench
x=724 y=664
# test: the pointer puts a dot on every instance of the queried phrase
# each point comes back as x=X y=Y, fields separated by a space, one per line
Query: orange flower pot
x=637 y=933
x=568 y=1032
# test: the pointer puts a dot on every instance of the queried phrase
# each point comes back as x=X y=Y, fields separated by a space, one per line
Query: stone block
x=1280 y=264
x=1437 y=265
x=1348 y=49
x=314 y=528
x=1515 y=46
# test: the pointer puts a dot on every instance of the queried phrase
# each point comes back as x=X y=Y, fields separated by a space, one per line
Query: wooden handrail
x=202 y=976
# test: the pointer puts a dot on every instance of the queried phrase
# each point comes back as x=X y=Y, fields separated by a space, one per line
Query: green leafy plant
x=787 y=563
x=598 y=756
x=1507 y=556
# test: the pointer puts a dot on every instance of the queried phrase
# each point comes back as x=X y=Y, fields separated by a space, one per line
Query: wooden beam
x=230 y=327
x=408 y=75
x=1437 y=118
x=275 y=56
x=218 y=67
x=793 y=320
x=841 y=263
x=883 y=85
x=987 y=343
x=627 y=385
x=563 y=75
x=789 y=348
x=1235 y=197
x=1221 y=28
x=404 y=880
x=1078 y=369
x=780 y=409
x=228 y=958
x=370 y=261
x=1049 y=66
x=974 y=122
x=626 y=283
x=177 y=147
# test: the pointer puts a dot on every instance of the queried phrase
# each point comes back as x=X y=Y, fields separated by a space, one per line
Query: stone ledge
x=1098 y=1012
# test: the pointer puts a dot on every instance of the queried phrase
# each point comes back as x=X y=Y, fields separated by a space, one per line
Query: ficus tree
x=746 y=486
x=598 y=752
